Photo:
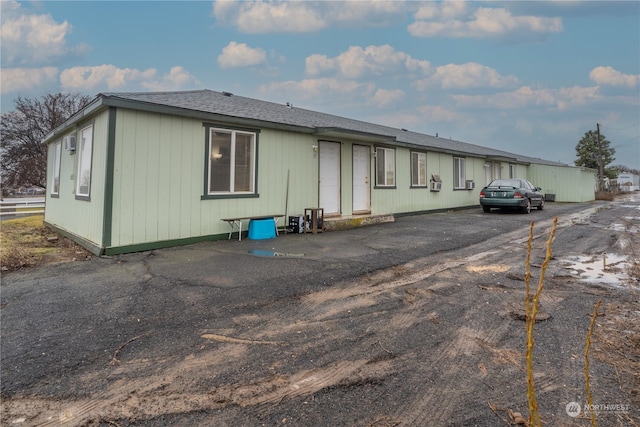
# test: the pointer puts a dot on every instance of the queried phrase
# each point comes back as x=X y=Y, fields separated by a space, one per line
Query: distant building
x=628 y=182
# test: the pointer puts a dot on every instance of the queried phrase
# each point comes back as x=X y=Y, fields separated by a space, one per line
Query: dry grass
x=26 y=242
x=632 y=245
x=532 y=304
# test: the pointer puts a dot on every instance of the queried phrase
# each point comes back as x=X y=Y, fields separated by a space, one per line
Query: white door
x=361 y=176
x=329 y=187
x=496 y=170
x=487 y=173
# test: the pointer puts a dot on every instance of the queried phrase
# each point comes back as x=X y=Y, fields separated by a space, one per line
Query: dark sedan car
x=511 y=193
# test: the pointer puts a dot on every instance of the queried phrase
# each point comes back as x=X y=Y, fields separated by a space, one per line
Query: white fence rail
x=26 y=206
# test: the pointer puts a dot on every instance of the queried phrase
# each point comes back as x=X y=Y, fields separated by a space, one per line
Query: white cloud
x=385 y=97
x=9 y=9
x=469 y=75
x=178 y=78
x=525 y=97
x=438 y=113
x=264 y=17
x=317 y=64
x=24 y=79
x=112 y=77
x=398 y=119
x=319 y=90
x=333 y=91
x=445 y=10
x=257 y=17
x=423 y=119
x=33 y=39
x=608 y=76
x=456 y=19
x=357 y=62
x=370 y=13
x=236 y=55
x=86 y=78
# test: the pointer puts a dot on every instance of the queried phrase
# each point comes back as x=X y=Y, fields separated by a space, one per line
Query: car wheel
x=541 y=205
x=527 y=209
x=487 y=209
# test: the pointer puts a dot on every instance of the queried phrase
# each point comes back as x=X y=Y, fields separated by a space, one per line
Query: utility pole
x=600 y=166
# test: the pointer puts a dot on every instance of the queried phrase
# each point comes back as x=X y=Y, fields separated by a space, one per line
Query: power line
x=610 y=128
x=626 y=142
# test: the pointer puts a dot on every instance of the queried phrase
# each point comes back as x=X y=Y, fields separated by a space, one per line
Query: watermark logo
x=613 y=408
x=573 y=409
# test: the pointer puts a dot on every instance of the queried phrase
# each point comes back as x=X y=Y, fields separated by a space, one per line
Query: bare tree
x=23 y=157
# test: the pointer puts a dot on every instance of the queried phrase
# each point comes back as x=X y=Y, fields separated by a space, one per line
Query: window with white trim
x=459 y=173
x=85 y=147
x=57 y=153
x=385 y=167
x=232 y=164
x=418 y=169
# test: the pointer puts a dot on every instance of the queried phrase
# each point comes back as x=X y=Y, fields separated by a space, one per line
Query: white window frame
x=85 y=153
x=418 y=169
x=212 y=156
x=512 y=170
x=55 y=179
x=459 y=173
x=386 y=165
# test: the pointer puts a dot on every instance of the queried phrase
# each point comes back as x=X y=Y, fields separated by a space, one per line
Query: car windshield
x=515 y=183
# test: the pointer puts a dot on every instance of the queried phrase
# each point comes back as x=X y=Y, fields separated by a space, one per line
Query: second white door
x=329 y=187
x=361 y=178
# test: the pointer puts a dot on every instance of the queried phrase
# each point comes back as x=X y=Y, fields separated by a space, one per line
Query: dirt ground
x=26 y=242
x=434 y=340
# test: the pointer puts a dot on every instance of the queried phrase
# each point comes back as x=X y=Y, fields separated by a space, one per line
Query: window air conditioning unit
x=69 y=142
x=436 y=182
x=471 y=185
x=436 y=185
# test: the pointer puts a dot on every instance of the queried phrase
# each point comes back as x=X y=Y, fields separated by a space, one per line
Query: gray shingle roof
x=233 y=106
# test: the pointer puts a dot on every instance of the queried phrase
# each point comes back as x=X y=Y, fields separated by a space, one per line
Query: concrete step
x=347 y=222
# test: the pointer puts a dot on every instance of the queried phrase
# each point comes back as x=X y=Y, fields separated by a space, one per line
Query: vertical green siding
x=521 y=172
x=405 y=199
x=156 y=165
x=159 y=179
x=569 y=184
x=83 y=218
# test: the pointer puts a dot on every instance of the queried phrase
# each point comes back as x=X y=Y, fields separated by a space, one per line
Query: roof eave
x=336 y=132
x=114 y=101
x=95 y=105
x=505 y=159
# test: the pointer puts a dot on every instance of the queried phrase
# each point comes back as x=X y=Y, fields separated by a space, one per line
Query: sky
x=528 y=77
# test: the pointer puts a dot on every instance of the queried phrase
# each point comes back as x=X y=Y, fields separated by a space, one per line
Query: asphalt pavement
x=66 y=328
